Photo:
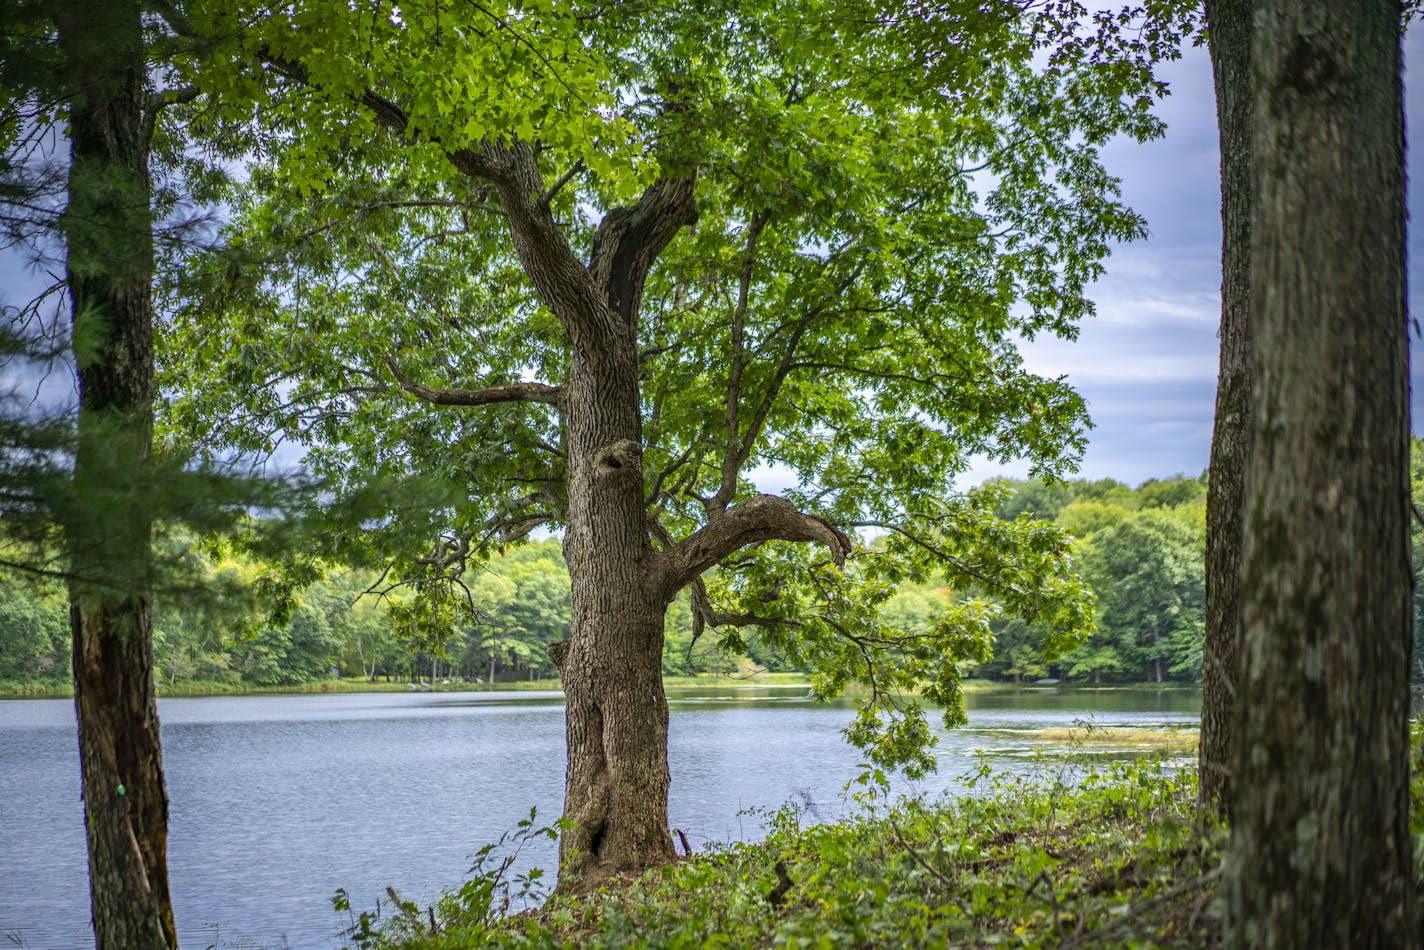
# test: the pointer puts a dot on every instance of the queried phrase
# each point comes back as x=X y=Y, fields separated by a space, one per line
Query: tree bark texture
x=108 y=228
x=1320 y=853
x=617 y=780
x=1229 y=23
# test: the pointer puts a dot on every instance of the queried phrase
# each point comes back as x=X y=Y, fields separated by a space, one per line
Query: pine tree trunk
x=1229 y=24
x=108 y=228
x=125 y=799
x=1320 y=853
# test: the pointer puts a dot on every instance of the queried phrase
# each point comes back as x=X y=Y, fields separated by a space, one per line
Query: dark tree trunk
x=1229 y=23
x=1320 y=852
x=108 y=228
x=616 y=718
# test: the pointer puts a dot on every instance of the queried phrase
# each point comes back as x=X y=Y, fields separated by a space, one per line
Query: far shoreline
x=763 y=678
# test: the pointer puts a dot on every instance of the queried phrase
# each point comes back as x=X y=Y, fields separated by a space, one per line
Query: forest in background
x=1140 y=550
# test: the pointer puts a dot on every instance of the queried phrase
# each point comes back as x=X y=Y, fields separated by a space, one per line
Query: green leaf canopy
x=888 y=198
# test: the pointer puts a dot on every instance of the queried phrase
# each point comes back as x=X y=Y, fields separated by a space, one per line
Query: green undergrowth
x=1074 y=856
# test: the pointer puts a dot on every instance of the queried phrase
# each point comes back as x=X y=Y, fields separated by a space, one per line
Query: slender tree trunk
x=1229 y=23
x=108 y=228
x=1320 y=853
x=125 y=799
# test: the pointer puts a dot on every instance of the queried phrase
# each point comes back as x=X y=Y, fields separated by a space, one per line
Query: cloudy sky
x=1147 y=363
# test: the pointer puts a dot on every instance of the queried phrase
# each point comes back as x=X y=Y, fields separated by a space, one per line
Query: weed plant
x=1073 y=854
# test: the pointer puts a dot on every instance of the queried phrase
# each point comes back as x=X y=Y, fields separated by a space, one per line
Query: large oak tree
x=612 y=268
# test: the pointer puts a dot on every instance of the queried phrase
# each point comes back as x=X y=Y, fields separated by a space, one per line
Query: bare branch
x=172 y=97
x=959 y=564
x=162 y=100
x=549 y=193
x=656 y=491
x=514 y=522
x=760 y=518
x=732 y=457
x=513 y=392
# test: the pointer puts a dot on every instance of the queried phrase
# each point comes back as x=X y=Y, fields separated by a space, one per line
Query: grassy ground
x=1165 y=740
x=60 y=691
x=1116 y=860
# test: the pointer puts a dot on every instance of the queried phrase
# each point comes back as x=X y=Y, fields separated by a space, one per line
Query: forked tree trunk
x=108 y=228
x=1321 y=853
x=1229 y=23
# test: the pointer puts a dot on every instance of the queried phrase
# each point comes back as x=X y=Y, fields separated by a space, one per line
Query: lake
x=277 y=801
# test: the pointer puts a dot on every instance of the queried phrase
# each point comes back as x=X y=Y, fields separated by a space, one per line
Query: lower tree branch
x=759 y=518
x=513 y=392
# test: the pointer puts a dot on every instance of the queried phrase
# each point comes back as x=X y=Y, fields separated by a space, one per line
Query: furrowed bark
x=1229 y=22
x=616 y=719
x=1320 y=854
x=629 y=240
x=108 y=228
x=616 y=785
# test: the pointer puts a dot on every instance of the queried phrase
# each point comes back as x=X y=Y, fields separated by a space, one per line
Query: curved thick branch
x=629 y=240
x=760 y=518
x=513 y=392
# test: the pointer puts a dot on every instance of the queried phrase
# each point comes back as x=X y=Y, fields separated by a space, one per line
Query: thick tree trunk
x=1229 y=23
x=108 y=228
x=1320 y=852
x=616 y=786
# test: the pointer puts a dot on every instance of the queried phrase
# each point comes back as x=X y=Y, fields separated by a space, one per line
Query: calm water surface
x=276 y=801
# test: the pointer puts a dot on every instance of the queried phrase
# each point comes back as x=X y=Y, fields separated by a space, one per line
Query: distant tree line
x=1140 y=549
x=342 y=625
